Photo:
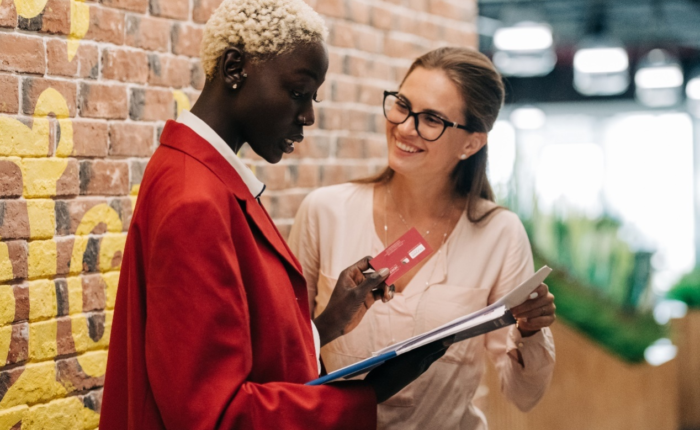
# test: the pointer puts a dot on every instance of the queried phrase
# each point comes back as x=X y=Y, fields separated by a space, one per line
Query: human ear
x=231 y=67
x=474 y=143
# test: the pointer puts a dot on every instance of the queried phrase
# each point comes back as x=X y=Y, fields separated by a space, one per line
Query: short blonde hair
x=262 y=28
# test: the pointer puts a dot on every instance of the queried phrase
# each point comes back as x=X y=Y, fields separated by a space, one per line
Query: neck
x=420 y=197
x=209 y=108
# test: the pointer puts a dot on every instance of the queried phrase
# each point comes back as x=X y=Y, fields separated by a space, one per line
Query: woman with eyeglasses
x=436 y=130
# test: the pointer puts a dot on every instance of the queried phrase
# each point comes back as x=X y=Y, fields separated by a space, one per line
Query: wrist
x=327 y=328
x=527 y=333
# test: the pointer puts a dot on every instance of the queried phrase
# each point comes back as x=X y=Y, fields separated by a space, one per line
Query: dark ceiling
x=641 y=25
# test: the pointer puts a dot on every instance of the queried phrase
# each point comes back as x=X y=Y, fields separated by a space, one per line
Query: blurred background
x=597 y=150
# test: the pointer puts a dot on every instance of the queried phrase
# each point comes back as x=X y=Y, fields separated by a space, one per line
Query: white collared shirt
x=255 y=186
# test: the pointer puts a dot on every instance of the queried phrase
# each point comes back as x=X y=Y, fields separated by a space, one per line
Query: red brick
x=186 y=39
x=332 y=8
x=202 y=10
x=343 y=90
x=151 y=104
x=445 y=9
x=372 y=95
x=275 y=176
x=464 y=36
x=337 y=173
x=382 y=17
x=360 y=12
x=69 y=214
x=429 y=29
x=341 y=34
x=336 y=61
x=125 y=65
x=8 y=14
x=198 y=78
x=106 y=25
x=133 y=5
x=360 y=121
x=69 y=183
x=304 y=175
x=368 y=39
x=22 y=53
x=151 y=34
x=286 y=205
x=9 y=88
x=376 y=146
x=90 y=138
x=56 y=17
x=169 y=71
x=419 y=5
x=403 y=46
x=103 y=101
x=350 y=147
x=14 y=223
x=357 y=66
x=131 y=140
x=312 y=147
x=33 y=87
x=104 y=177
x=85 y=64
x=136 y=169
x=10 y=179
x=331 y=118
x=94 y=298
x=177 y=9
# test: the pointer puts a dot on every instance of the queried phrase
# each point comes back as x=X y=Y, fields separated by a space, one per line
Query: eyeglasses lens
x=396 y=111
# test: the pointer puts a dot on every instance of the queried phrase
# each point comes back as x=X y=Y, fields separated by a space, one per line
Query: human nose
x=409 y=127
x=307 y=116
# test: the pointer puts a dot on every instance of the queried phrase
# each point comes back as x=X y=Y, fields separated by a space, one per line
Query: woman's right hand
x=392 y=376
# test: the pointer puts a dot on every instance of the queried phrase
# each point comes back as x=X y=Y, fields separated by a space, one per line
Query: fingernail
x=533 y=295
x=523 y=320
x=392 y=288
x=384 y=272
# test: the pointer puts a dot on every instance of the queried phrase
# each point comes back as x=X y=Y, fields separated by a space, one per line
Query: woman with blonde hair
x=436 y=131
x=211 y=326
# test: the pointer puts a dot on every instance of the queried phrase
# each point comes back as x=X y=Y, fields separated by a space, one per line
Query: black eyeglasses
x=428 y=126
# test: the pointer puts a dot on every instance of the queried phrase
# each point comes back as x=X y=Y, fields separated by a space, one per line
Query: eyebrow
x=308 y=72
x=430 y=111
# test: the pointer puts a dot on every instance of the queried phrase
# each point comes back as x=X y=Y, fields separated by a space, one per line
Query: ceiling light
x=659 y=79
x=601 y=67
x=692 y=92
x=528 y=118
x=525 y=36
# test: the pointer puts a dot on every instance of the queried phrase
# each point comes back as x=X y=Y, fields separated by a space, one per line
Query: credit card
x=402 y=255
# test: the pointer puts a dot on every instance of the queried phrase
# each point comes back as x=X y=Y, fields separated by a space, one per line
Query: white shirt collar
x=207 y=133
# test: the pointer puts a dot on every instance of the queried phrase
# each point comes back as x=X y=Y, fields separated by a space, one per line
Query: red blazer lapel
x=195 y=146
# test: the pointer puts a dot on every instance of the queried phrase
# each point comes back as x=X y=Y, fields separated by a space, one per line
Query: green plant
x=687 y=289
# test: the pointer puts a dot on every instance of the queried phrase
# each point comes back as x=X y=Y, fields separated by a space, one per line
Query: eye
x=296 y=94
x=433 y=121
x=401 y=106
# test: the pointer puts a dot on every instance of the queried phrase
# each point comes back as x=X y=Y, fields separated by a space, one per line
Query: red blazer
x=211 y=326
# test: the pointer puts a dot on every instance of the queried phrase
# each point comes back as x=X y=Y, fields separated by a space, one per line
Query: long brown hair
x=483 y=92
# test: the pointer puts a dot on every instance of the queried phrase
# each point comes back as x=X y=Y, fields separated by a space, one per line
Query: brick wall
x=85 y=88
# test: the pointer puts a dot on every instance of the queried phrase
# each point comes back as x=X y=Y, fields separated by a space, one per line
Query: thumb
x=373 y=280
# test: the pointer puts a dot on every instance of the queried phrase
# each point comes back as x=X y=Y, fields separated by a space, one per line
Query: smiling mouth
x=289 y=144
x=407 y=148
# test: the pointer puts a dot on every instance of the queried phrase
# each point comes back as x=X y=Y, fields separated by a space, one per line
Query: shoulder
x=504 y=222
x=338 y=197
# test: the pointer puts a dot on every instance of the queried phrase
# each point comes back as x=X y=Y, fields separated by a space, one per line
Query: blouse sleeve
x=304 y=243
x=525 y=384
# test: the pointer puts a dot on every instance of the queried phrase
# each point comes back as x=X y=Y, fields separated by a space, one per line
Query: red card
x=402 y=255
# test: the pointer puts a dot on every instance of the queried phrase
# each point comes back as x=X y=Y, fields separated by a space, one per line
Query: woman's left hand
x=536 y=313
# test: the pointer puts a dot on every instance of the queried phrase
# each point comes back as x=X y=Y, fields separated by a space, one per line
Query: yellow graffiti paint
x=76 y=260
x=5 y=263
x=42 y=218
x=40 y=176
x=10 y=417
x=79 y=25
x=98 y=214
x=111 y=249
x=5 y=340
x=81 y=336
x=42 y=340
x=42 y=300
x=93 y=363
x=66 y=414
x=36 y=384
x=75 y=295
x=7 y=303
x=42 y=259
x=18 y=139
x=111 y=280
x=30 y=8
x=183 y=102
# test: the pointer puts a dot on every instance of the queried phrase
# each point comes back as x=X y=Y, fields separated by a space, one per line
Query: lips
x=289 y=143
x=404 y=147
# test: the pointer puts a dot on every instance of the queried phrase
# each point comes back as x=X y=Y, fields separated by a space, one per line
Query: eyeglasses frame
x=445 y=122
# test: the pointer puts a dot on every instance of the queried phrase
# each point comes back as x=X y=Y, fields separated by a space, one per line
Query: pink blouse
x=477 y=265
